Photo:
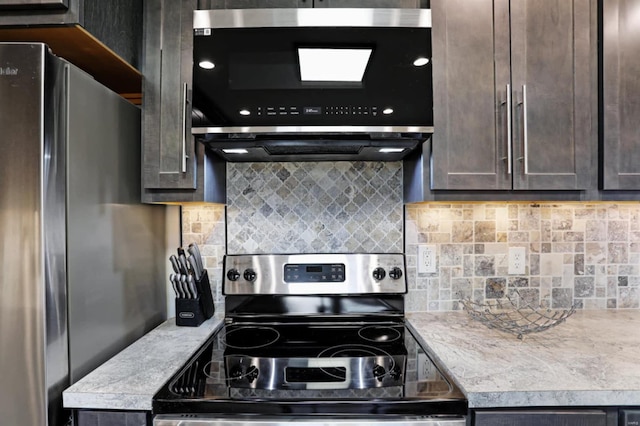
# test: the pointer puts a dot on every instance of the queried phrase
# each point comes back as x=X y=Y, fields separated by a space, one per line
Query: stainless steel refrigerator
x=82 y=260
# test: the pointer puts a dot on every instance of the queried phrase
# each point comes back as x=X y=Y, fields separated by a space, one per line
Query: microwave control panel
x=348 y=110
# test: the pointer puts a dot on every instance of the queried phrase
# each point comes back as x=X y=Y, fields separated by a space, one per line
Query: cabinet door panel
x=400 y=4
x=169 y=149
x=34 y=4
x=551 y=46
x=621 y=95
x=253 y=4
x=548 y=418
x=469 y=146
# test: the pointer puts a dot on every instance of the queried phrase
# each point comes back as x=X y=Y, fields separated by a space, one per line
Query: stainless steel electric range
x=315 y=339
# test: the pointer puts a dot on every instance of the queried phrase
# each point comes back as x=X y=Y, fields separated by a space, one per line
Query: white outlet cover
x=517 y=260
x=427 y=259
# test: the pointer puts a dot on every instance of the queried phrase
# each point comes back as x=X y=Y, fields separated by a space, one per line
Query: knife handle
x=195 y=250
x=184 y=267
x=185 y=287
x=174 y=263
x=194 y=266
x=173 y=279
x=192 y=287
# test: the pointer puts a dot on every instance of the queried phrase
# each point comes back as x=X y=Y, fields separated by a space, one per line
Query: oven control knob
x=395 y=373
x=249 y=374
x=379 y=372
x=379 y=274
x=233 y=275
x=395 y=273
x=250 y=275
x=236 y=373
x=252 y=373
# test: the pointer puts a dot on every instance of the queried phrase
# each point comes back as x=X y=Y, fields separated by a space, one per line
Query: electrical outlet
x=517 y=260
x=427 y=259
x=425 y=368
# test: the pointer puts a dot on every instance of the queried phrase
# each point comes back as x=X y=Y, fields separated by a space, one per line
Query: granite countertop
x=593 y=358
x=129 y=380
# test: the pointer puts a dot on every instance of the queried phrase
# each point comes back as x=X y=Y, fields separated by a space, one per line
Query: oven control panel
x=312 y=274
x=296 y=273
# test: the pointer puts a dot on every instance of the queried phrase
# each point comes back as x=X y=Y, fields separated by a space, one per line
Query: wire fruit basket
x=516 y=316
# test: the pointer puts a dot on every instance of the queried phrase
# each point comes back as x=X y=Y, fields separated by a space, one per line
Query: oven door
x=189 y=420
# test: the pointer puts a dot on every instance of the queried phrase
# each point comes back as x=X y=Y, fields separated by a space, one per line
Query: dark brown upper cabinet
x=104 y=38
x=621 y=95
x=515 y=95
x=176 y=169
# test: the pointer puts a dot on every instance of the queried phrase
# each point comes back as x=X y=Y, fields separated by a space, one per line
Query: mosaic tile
x=584 y=287
x=617 y=253
x=576 y=252
x=315 y=207
x=561 y=298
x=629 y=298
x=495 y=288
x=205 y=226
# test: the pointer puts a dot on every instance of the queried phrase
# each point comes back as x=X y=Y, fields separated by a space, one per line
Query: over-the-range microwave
x=312 y=84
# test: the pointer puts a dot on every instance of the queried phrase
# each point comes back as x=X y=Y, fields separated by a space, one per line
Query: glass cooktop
x=275 y=368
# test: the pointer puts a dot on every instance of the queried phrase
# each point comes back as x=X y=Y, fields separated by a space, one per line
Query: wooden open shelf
x=79 y=47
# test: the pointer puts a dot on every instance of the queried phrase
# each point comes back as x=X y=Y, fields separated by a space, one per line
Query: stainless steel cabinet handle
x=509 y=166
x=524 y=126
x=184 y=127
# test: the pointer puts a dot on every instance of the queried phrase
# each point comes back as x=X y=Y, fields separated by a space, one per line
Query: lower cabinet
x=112 y=418
x=545 y=418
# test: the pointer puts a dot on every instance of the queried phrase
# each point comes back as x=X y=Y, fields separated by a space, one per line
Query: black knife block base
x=193 y=312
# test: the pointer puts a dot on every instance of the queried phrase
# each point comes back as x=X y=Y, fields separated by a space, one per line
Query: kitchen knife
x=192 y=287
x=195 y=251
x=194 y=266
x=174 y=263
x=172 y=278
x=185 y=287
x=178 y=287
x=184 y=267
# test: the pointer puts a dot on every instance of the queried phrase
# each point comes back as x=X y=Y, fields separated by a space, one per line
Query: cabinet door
x=168 y=147
x=470 y=79
x=253 y=4
x=393 y=4
x=554 y=94
x=548 y=418
x=176 y=169
x=621 y=94
x=33 y=4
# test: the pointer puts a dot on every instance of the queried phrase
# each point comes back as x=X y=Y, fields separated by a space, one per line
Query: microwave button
x=312 y=110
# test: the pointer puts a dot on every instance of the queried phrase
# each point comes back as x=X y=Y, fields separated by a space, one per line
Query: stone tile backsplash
x=575 y=253
x=205 y=226
x=328 y=207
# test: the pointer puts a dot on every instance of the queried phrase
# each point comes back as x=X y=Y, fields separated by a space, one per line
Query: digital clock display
x=314 y=273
